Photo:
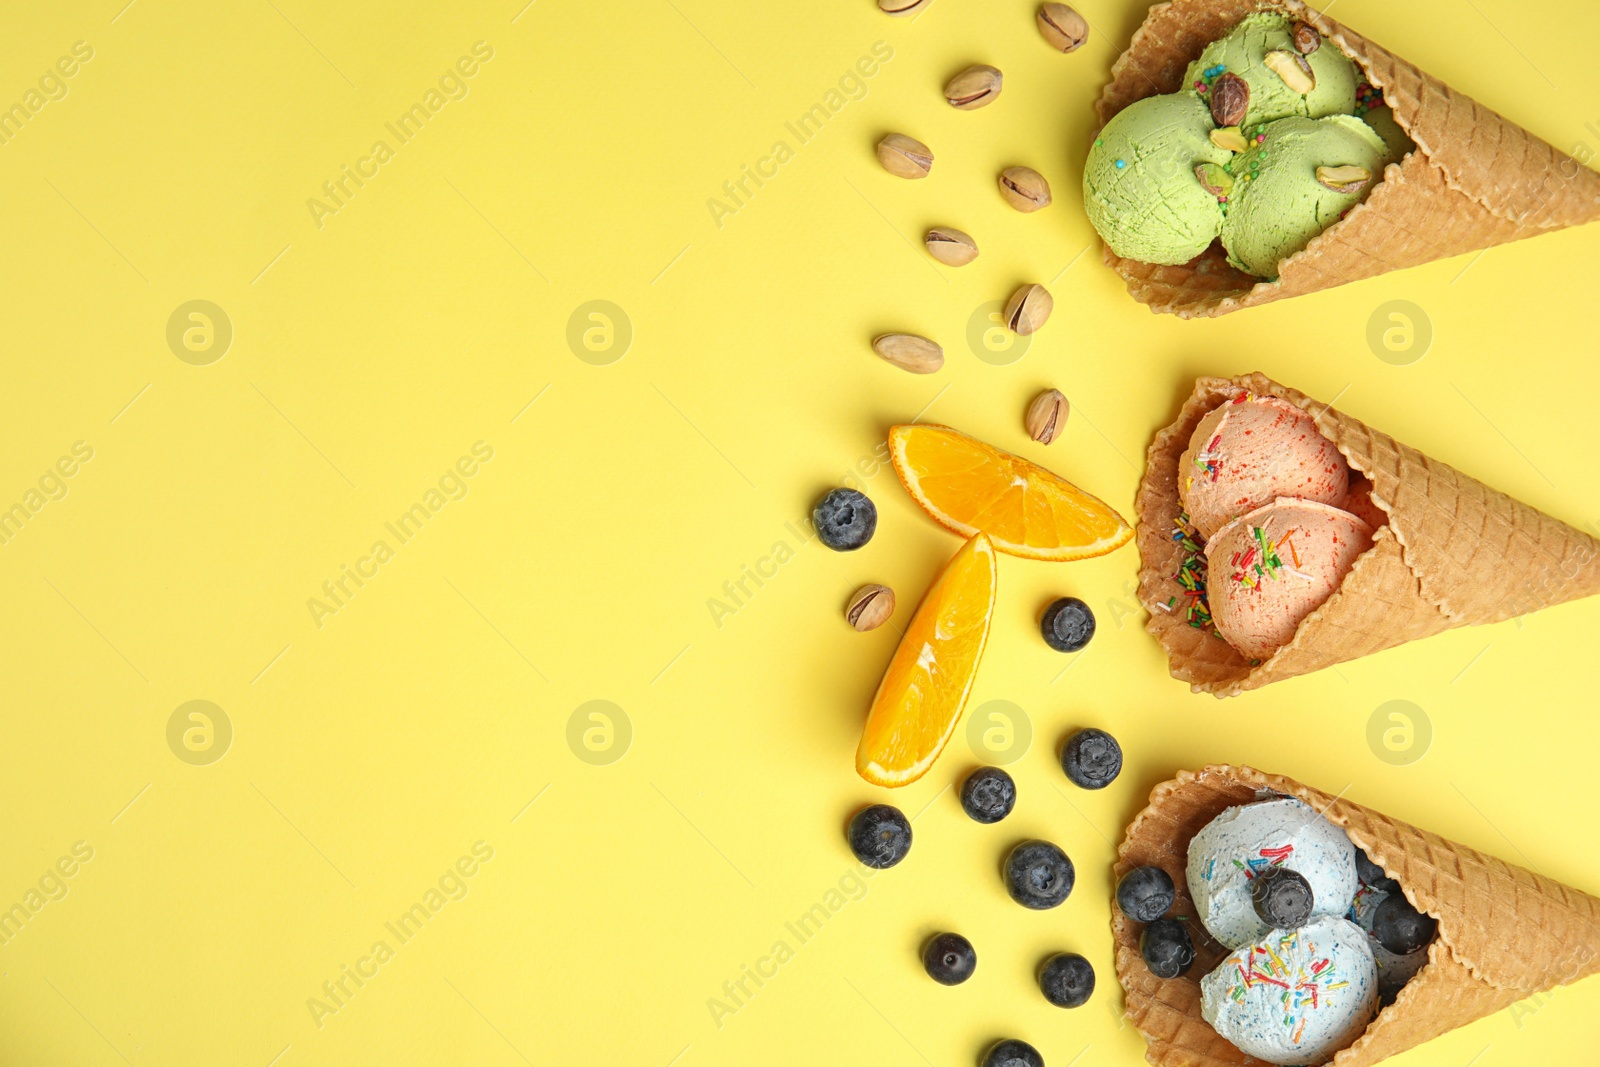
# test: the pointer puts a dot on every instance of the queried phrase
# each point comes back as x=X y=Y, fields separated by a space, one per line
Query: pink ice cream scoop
x=1250 y=451
x=1270 y=568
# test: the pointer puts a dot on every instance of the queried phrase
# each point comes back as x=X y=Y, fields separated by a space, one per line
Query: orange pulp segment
x=919 y=701
x=968 y=486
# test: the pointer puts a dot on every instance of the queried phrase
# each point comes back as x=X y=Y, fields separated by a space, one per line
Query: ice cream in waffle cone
x=1475 y=179
x=1505 y=933
x=1448 y=551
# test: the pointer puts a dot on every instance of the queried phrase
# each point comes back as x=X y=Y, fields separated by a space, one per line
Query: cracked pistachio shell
x=975 y=87
x=905 y=157
x=1024 y=188
x=1028 y=309
x=951 y=246
x=1062 y=27
x=1046 y=415
x=870 y=607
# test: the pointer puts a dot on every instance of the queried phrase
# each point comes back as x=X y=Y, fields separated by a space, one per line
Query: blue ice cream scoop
x=1294 y=996
x=1244 y=843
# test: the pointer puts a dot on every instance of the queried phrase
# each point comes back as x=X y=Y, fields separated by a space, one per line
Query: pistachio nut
x=903 y=7
x=1024 y=188
x=1305 y=37
x=1046 y=415
x=909 y=352
x=1230 y=99
x=975 y=87
x=1347 y=179
x=1064 y=28
x=1028 y=309
x=950 y=246
x=870 y=607
x=905 y=157
x=1293 y=68
x=1214 y=180
x=1229 y=139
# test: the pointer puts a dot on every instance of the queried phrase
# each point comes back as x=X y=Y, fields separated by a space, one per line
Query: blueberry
x=988 y=794
x=1145 y=893
x=1400 y=928
x=949 y=959
x=880 y=836
x=1067 y=980
x=1012 y=1053
x=845 y=519
x=1167 y=948
x=1038 y=875
x=1092 y=759
x=1282 y=898
x=1067 y=624
x=1372 y=874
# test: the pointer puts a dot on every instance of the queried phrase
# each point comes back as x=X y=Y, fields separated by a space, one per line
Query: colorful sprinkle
x=1263 y=562
x=1121 y=163
x=1191 y=575
x=1300 y=990
x=1367 y=98
x=1209 y=459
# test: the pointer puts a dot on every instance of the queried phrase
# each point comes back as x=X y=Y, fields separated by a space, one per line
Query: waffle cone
x=1451 y=552
x=1475 y=179
x=1505 y=933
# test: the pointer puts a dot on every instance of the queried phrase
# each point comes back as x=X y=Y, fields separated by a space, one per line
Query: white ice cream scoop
x=1294 y=996
x=1241 y=843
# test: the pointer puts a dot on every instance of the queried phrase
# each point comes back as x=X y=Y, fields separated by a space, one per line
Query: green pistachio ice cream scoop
x=1139 y=185
x=1381 y=119
x=1293 y=183
x=1259 y=50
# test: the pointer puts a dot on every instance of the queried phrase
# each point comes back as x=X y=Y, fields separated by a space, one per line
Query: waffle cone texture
x=1505 y=933
x=1474 y=180
x=1452 y=552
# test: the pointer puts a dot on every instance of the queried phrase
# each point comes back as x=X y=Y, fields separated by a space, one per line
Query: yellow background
x=373 y=751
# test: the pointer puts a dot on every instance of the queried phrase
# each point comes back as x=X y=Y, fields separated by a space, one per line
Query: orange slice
x=968 y=486
x=919 y=701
